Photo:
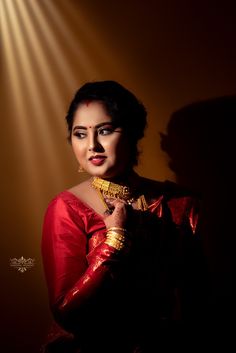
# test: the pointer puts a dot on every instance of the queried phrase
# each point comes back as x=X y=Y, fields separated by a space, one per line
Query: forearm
x=102 y=263
x=100 y=267
x=75 y=277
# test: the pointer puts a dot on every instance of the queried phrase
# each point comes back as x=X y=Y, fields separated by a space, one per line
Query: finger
x=113 y=202
x=108 y=212
x=120 y=212
x=119 y=206
x=115 y=205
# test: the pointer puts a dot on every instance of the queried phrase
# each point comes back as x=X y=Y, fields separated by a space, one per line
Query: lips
x=97 y=160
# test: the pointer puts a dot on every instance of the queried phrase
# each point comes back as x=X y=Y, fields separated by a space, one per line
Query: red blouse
x=95 y=290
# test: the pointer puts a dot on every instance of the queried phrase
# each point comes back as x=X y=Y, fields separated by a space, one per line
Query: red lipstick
x=97 y=160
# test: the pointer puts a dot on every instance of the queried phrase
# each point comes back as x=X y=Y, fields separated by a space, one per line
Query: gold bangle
x=117 y=228
x=116 y=237
x=114 y=243
x=115 y=234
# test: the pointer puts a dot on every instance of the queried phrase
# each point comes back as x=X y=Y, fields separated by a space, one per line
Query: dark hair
x=122 y=106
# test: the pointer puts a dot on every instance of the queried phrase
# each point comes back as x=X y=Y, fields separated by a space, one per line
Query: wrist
x=117 y=237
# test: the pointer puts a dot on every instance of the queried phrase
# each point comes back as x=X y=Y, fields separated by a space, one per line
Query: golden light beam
x=21 y=130
x=84 y=60
x=38 y=125
x=54 y=96
x=91 y=36
x=53 y=47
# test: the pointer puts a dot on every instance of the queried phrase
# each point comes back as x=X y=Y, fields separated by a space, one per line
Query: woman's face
x=101 y=148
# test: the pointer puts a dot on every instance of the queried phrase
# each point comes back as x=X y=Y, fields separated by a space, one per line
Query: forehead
x=90 y=114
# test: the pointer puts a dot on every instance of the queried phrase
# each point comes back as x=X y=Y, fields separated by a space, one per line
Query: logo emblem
x=22 y=264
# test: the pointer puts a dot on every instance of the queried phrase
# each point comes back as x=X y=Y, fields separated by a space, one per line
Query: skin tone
x=101 y=150
x=100 y=147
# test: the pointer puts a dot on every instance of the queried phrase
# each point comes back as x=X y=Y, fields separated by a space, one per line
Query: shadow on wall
x=201 y=144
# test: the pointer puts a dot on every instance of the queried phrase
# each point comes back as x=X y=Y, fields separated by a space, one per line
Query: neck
x=128 y=178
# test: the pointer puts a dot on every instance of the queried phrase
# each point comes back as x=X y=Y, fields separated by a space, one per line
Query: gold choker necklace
x=110 y=189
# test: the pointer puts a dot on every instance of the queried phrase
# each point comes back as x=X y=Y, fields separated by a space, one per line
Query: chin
x=103 y=174
x=106 y=173
x=97 y=172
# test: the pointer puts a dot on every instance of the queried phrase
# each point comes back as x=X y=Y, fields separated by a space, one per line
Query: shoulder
x=69 y=198
x=64 y=199
x=80 y=188
x=71 y=205
x=65 y=205
x=64 y=214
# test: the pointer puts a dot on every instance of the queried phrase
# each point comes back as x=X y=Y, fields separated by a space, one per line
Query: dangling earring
x=80 y=169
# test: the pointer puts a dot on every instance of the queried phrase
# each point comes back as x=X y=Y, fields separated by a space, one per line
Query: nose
x=94 y=145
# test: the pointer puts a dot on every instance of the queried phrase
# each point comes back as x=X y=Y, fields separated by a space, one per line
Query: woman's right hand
x=118 y=218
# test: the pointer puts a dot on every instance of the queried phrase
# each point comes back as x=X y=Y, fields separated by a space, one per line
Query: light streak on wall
x=37 y=51
x=91 y=36
x=54 y=49
x=20 y=127
x=84 y=60
x=38 y=126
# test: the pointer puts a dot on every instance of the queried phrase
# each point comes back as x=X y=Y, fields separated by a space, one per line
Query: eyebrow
x=96 y=126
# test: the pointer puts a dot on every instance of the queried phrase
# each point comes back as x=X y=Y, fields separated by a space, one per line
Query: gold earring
x=80 y=169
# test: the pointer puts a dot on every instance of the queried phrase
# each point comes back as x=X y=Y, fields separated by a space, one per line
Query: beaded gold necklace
x=109 y=189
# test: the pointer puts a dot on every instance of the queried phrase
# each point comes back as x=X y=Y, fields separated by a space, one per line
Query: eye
x=105 y=131
x=80 y=135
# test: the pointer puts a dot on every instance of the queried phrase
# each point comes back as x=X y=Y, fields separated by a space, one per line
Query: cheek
x=77 y=149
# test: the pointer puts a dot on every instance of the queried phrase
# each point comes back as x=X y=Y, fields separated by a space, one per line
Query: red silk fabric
x=89 y=281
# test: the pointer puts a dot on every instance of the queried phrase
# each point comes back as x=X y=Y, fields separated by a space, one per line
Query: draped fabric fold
x=98 y=294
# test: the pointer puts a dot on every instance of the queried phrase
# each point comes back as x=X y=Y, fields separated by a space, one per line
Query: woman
x=118 y=249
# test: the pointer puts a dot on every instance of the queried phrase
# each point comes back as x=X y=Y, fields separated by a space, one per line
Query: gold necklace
x=113 y=190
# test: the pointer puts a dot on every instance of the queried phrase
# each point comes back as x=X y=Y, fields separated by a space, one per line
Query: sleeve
x=72 y=276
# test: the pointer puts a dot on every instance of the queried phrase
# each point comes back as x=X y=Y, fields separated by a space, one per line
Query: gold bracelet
x=117 y=228
x=116 y=237
x=115 y=234
x=118 y=245
x=121 y=231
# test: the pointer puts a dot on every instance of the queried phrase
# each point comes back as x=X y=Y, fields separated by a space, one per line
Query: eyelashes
x=104 y=131
x=80 y=135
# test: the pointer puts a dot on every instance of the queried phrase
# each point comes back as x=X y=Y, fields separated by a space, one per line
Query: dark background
x=179 y=58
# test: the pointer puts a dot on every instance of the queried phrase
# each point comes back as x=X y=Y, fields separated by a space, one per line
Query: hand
x=118 y=218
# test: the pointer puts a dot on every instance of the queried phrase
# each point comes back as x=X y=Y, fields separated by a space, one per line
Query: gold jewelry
x=113 y=190
x=110 y=189
x=117 y=235
x=112 y=236
x=80 y=169
x=103 y=201
x=115 y=239
x=118 y=245
x=142 y=203
x=123 y=230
